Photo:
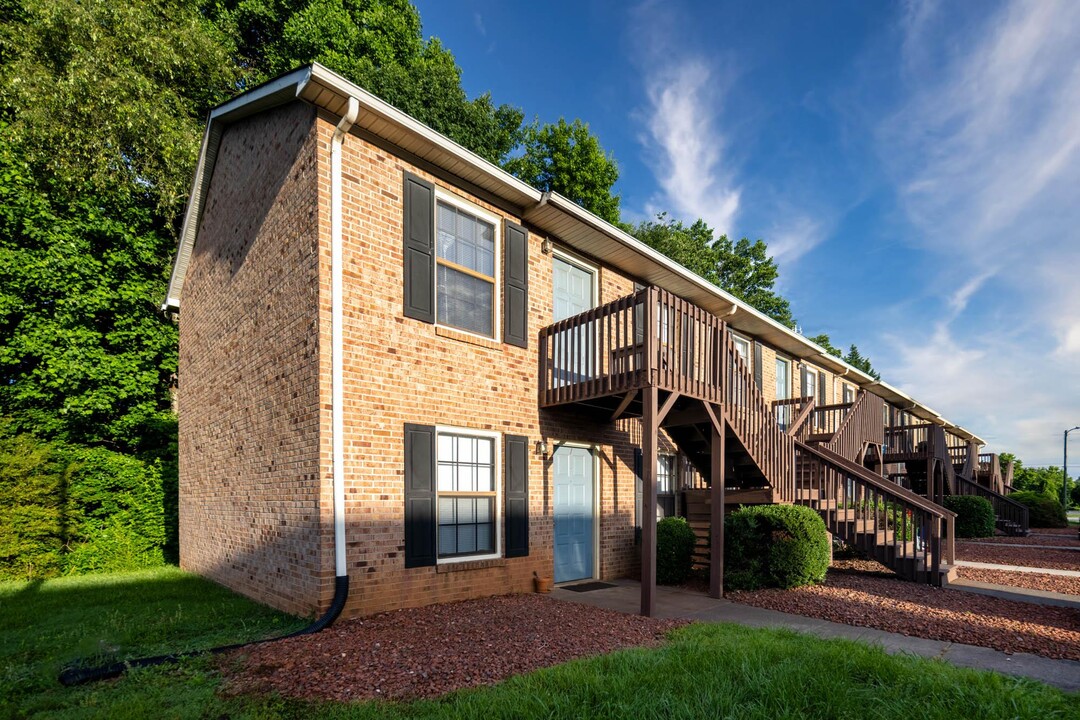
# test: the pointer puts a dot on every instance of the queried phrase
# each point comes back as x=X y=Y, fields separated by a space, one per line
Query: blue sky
x=914 y=167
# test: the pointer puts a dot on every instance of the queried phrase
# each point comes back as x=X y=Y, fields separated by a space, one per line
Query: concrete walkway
x=1018 y=594
x=673 y=603
x=1017 y=545
x=1016 y=568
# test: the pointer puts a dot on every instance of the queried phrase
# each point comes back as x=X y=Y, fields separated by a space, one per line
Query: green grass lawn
x=704 y=671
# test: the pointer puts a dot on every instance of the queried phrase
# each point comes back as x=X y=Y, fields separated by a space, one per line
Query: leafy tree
x=824 y=341
x=84 y=354
x=111 y=97
x=743 y=268
x=857 y=360
x=378 y=45
x=567 y=158
x=1042 y=480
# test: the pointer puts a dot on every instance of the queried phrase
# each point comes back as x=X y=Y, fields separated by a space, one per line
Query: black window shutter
x=757 y=365
x=638 y=497
x=421 y=521
x=419 y=250
x=821 y=388
x=516 y=528
x=515 y=284
x=804 y=379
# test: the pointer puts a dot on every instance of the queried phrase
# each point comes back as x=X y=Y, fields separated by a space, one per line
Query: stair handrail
x=753 y=420
x=864 y=423
x=805 y=405
x=1005 y=508
x=943 y=519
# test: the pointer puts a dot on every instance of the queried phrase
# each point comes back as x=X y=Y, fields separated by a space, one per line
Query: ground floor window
x=465 y=468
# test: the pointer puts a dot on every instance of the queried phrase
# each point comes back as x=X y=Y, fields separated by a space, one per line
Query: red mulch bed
x=1032 y=581
x=433 y=650
x=1025 y=557
x=894 y=605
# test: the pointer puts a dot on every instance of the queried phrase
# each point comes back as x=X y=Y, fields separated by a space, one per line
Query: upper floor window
x=742 y=346
x=466 y=285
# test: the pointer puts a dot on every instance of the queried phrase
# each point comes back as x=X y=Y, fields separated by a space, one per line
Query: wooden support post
x=716 y=517
x=930 y=495
x=649 y=431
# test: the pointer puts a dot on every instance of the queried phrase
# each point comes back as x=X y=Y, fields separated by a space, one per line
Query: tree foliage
x=856 y=359
x=84 y=354
x=111 y=97
x=567 y=158
x=742 y=268
x=378 y=45
x=826 y=344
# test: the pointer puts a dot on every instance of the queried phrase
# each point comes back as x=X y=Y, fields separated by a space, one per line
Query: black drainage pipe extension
x=77 y=676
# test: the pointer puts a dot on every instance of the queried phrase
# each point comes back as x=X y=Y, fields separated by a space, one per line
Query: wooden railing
x=793 y=414
x=989 y=473
x=914 y=443
x=863 y=423
x=753 y=420
x=1012 y=516
x=895 y=526
x=607 y=350
x=828 y=419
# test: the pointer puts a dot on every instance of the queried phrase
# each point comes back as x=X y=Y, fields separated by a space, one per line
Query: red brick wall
x=399 y=370
x=255 y=385
x=249 y=377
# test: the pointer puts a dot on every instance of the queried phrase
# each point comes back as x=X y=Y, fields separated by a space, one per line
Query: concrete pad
x=1030 y=547
x=1016 y=568
x=1009 y=592
x=674 y=603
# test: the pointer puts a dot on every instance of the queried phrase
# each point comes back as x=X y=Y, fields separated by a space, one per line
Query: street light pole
x=1065 y=469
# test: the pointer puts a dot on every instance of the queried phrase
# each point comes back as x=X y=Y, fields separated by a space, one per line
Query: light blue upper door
x=573 y=473
x=572 y=295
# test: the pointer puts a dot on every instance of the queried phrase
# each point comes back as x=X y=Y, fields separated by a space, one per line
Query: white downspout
x=336 y=345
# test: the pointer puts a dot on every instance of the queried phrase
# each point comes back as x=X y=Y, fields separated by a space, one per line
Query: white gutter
x=337 y=365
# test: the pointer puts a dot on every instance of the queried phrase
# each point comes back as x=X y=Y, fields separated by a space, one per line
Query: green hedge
x=974 y=515
x=1043 y=510
x=67 y=509
x=774 y=546
x=674 y=551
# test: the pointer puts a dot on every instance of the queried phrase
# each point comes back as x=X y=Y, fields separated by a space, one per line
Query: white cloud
x=685 y=145
x=794 y=237
x=985 y=154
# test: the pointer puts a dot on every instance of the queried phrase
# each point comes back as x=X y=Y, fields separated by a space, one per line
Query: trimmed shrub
x=67 y=509
x=31 y=507
x=774 y=546
x=1043 y=510
x=974 y=515
x=674 y=550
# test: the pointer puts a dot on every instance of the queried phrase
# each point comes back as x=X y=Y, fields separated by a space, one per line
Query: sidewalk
x=673 y=603
x=1016 y=568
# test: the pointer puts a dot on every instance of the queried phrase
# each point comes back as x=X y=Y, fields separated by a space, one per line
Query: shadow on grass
x=46 y=625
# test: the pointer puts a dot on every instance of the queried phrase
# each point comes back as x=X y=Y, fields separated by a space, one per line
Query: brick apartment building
x=375 y=384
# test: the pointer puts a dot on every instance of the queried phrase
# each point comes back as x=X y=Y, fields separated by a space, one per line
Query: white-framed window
x=783 y=378
x=665 y=474
x=849 y=393
x=467 y=484
x=467 y=261
x=811 y=383
x=742 y=346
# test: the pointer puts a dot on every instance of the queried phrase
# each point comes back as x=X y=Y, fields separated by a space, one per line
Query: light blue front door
x=573 y=472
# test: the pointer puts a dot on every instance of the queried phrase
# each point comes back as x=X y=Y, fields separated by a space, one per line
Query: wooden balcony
x=596 y=358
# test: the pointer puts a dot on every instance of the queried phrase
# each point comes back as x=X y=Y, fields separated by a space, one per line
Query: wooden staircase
x=894 y=526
